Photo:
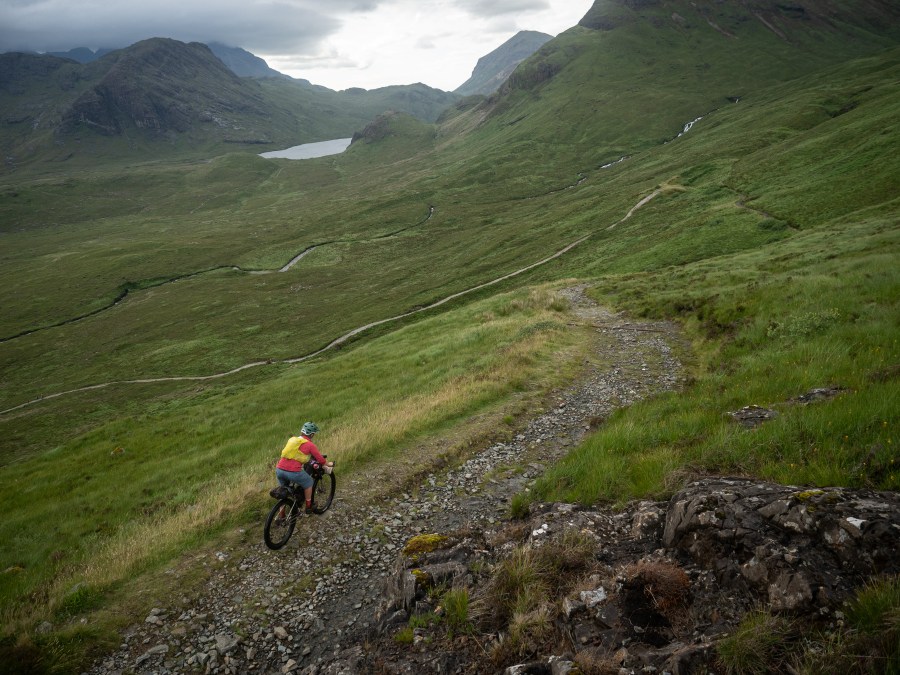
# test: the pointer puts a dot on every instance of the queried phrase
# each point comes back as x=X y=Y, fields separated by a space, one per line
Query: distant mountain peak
x=493 y=69
x=241 y=62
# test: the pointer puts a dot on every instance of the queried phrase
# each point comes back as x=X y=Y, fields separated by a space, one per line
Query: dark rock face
x=18 y=66
x=790 y=547
x=159 y=85
x=493 y=69
x=242 y=63
x=668 y=581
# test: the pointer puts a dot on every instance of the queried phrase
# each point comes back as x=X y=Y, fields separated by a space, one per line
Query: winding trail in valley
x=331 y=345
x=129 y=288
x=356 y=331
x=336 y=342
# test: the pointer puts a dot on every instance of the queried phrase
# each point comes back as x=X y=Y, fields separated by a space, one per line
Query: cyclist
x=297 y=451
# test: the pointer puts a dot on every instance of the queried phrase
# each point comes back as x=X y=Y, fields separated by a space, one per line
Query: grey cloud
x=258 y=25
x=500 y=7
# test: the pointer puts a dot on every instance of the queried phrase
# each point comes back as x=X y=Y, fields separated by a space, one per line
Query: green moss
x=404 y=636
x=423 y=579
x=808 y=494
x=424 y=543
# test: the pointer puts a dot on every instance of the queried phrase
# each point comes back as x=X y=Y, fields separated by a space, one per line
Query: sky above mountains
x=335 y=43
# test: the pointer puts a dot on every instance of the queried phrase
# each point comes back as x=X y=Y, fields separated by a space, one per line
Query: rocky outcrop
x=791 y=548
x=664 y=581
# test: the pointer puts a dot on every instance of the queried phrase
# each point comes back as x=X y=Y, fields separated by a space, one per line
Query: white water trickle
x=687 y=127
x=621 y=159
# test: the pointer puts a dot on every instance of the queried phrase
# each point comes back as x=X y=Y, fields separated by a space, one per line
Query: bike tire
x=278 y=530
x=323 y=492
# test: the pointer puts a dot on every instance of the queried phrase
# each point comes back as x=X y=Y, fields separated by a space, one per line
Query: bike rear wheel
x=280 y=525
x=323 y=492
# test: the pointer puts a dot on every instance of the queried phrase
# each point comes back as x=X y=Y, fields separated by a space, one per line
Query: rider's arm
x=314 y=453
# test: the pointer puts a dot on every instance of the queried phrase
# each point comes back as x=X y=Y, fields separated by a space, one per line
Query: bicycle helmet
x=309 y=428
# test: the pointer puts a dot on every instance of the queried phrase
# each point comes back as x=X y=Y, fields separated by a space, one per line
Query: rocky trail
x=297 y=609
x=653 y=587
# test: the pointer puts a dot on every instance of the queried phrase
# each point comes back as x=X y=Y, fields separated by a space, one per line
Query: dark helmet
x=309 y=428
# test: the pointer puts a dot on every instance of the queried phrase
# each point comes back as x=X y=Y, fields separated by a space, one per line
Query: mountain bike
x=292 y=503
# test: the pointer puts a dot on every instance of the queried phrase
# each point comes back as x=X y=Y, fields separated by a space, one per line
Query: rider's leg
x=302 y=478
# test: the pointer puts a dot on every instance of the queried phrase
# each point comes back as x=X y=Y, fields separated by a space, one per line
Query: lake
x=310 y=150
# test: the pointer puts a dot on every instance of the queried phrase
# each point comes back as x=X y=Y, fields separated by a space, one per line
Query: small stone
x=225 y=643
x=593 y=598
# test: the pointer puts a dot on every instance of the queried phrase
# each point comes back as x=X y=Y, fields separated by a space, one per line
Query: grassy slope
x=816 y=309
x=374 y=401
x=767 y=202
x=207 y=225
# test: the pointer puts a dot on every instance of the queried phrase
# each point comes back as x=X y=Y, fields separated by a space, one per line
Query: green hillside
x=768 y=230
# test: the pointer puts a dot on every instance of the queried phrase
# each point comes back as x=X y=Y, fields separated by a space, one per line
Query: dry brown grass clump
x=595 y=662
x=657 y=590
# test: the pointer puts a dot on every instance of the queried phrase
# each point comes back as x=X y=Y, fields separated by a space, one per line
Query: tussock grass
x=866 y=641
x=768 y=327
x=456 y=609
x=520 y=598
x=758 y=646
x=163 y=496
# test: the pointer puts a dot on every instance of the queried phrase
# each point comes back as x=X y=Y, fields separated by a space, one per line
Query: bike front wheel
x=280 y=523
x=323 y=492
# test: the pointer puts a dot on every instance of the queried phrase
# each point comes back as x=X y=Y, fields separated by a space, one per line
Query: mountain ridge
x=494 y=68
x=245 y=64
x=162 y=97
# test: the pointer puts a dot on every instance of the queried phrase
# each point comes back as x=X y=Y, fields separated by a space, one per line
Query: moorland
x=767 y=230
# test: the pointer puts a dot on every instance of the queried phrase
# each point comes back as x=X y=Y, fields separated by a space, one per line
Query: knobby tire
x=278 y=531
x=323 y=492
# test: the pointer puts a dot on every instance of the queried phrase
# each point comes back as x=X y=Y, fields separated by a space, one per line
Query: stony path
x=289 y=611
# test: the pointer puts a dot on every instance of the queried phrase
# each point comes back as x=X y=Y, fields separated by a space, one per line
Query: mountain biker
x=297 y=451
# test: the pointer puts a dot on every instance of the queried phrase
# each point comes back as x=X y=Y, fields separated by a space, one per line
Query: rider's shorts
x=302 y=478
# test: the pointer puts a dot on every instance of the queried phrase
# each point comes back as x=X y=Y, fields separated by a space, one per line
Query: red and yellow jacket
x=297 y=452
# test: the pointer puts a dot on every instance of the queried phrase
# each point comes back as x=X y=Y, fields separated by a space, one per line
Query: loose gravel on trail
x=264 y=611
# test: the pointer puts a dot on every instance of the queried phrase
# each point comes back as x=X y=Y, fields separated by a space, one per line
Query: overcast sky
x=336 y=43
